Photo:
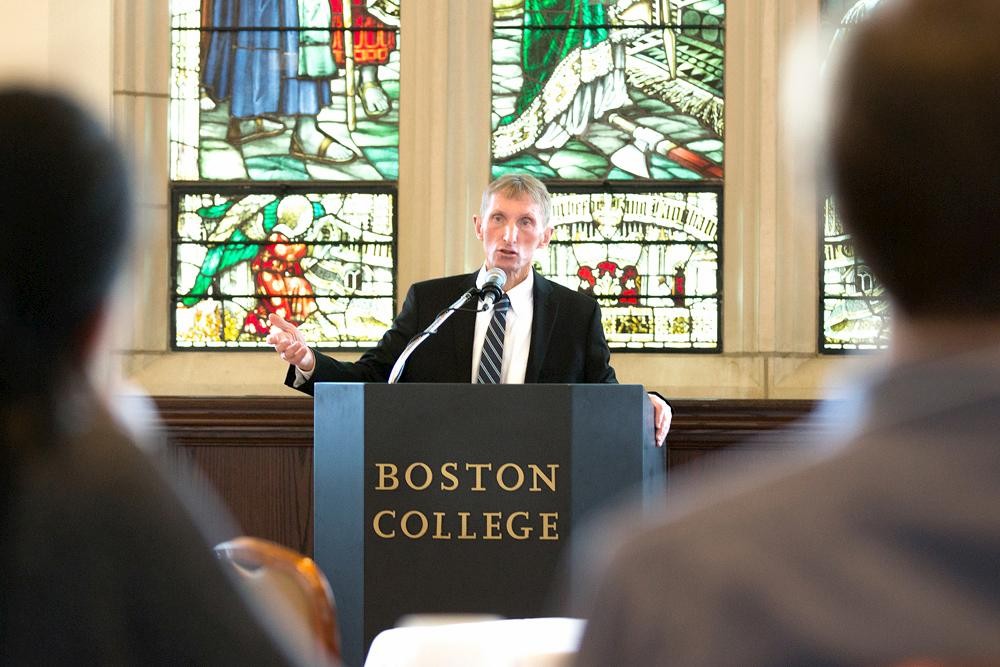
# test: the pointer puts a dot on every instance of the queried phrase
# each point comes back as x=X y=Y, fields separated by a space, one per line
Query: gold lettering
x=465 y=535
x=492 y=525
x=479 y=467
x=423 y=524
x=536 y=474
x=449 y=475
x=439 y=533
x=428 y=476
x=549 y=525
x=378 y=529
x=389 y=476
x=510 y=477
x=417 y=524
x=525 y=531
x=516 y=469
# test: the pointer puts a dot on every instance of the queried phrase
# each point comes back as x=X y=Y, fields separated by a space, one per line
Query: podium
x=459 y=498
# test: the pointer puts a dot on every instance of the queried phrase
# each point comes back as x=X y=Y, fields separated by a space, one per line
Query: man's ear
x=546 y=236
x=476 y=222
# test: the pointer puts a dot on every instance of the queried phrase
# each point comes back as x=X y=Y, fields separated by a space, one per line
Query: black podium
x=459 y=498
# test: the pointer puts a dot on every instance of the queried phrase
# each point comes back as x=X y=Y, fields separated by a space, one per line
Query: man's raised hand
x=290 y=344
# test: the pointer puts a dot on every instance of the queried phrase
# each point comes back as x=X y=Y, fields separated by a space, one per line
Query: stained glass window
x=600 y=95
x=854 y=311
x=593 y=90
x=323 y=260
x=650 y=258
x=297 y=101
x=270 y=90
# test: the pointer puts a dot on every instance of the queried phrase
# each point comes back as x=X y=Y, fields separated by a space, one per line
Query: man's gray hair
x=516 y=186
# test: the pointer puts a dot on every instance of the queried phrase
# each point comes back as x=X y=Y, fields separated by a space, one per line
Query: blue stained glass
x=287 y=104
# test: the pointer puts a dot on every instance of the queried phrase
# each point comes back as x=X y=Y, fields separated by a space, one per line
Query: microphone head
x=495 y=277
x=493 y=287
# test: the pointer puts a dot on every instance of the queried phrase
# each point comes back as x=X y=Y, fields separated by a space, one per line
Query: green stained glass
x=650 y=258
x=592 y=90
x=854 y=311
x=323 y=260
x=294 y=103
x=606 y=91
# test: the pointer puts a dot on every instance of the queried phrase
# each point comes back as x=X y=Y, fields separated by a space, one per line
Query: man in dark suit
x=553 y=334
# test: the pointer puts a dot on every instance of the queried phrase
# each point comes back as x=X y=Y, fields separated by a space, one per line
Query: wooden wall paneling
x=257 y=452
x=257 y=455
x=702 y=428
x=267 y=489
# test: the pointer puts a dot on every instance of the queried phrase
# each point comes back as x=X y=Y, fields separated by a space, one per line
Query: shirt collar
x=521 y=295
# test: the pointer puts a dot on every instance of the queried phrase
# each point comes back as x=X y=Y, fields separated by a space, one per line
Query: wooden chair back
x=292 y=585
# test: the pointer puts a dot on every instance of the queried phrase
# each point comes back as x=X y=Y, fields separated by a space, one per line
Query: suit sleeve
x=597 y=368
x=375 y=364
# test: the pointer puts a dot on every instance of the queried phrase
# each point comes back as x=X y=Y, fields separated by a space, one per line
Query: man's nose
x=510 y=233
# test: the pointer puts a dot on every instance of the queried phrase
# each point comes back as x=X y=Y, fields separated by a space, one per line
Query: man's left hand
x=662 y=415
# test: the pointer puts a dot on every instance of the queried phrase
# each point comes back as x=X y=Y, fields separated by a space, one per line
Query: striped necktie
x=491 y=360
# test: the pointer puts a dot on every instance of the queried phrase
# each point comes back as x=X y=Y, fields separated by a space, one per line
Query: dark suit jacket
x=567 y=340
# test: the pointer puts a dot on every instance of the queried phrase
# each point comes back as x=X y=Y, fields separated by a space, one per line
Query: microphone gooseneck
x=491 y=291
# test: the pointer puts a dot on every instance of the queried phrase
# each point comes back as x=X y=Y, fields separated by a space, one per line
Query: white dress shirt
x=517 y=338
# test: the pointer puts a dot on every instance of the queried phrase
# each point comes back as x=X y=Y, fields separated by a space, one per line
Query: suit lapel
x=463 y=328
x=542 y=320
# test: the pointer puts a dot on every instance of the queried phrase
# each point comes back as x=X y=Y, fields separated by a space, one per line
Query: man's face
x=511 y=230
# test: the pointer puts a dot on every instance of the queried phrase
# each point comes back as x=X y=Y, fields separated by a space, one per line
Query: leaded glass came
x=650 y=258
x=270 y=90
x=324 y=261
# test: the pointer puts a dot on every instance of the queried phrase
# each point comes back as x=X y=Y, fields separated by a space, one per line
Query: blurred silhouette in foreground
x=880 y=543
x=101 y=563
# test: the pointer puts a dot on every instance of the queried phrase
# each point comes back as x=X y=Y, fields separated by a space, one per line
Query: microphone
x=493 y=287
x=491 y=291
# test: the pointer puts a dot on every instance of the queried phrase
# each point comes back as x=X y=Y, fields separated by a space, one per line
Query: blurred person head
x=914 y=153
x=66 y=222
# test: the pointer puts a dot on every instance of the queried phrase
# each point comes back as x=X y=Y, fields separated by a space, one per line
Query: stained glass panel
x=323 y=260
x=650 y=258
x=604 y=90
x=270 y=90
x=854 y=311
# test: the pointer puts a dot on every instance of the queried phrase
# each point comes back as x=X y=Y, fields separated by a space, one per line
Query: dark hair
x=65 y=213
x=915 y=152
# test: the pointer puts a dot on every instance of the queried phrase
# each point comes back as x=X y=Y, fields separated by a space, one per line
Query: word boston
x=458 y=498
x=464 y=525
